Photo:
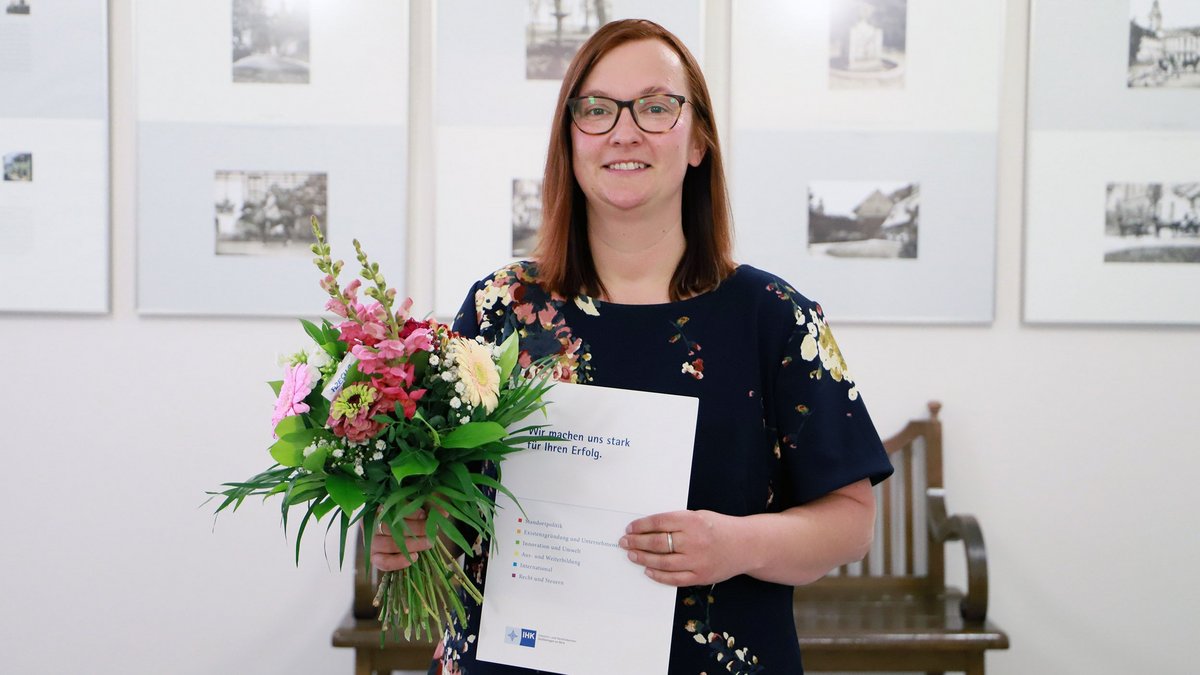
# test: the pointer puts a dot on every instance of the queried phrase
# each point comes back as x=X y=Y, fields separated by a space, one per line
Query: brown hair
x=564 y=259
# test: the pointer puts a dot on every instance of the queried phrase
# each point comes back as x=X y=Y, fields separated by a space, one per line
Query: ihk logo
x=520 y=636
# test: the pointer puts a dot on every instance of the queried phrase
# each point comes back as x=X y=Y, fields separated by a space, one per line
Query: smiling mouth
x=627 y=166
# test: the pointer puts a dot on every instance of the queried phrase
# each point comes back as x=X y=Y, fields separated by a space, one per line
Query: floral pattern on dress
x=818 y=344
x=511 y=300
x=693 y=365
x=722 y=646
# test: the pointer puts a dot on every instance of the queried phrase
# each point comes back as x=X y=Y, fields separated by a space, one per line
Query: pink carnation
x=298 y=383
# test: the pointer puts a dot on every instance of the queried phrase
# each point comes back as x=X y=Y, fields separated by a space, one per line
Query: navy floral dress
x=780 y=423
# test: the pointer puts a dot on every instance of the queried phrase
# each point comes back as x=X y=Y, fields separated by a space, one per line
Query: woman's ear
x=696 y=152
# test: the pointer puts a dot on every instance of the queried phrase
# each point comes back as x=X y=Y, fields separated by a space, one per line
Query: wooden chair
x=893 y=611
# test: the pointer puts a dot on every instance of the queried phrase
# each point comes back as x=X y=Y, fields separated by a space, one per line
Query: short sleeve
x=466 y=322
x=486 y=309
x=826 y=438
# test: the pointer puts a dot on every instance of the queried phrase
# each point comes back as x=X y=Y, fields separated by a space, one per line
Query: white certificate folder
x=561 y=595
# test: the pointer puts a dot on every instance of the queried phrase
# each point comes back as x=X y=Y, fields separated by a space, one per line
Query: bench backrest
x=903 y=558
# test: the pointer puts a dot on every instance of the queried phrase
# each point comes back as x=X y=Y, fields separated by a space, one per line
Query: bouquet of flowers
x=385 y=415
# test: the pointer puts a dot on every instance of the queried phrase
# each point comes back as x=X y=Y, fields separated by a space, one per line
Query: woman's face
x=627 y=168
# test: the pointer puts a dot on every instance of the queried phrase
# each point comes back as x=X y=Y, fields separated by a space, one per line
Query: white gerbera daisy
x=478 y=372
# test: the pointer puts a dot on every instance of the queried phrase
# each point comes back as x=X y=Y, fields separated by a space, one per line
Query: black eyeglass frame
x=620 y=106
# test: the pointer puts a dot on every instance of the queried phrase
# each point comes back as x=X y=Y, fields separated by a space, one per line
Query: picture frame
x=282 y=124
x=1111 y=165
x=195 y=43
x=54 y=144
x=908 y=99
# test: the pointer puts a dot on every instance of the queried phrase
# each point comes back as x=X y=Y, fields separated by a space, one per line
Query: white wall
x=1073 y=445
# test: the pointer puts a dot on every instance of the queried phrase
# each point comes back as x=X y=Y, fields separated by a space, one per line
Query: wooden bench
x=891 y=612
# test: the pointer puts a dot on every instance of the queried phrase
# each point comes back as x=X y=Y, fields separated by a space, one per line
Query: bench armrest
x=964 y=528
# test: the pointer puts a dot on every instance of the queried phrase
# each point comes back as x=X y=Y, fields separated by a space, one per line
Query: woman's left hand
x=684 y=548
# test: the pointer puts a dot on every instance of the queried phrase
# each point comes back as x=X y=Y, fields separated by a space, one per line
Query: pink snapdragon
x=367 y=333
x=402 y=312
x=389 y=357
x=383 y=363
x=364 y=324
x=419 y=340
x=390 y=349
x=335 y=304
x=298 y=381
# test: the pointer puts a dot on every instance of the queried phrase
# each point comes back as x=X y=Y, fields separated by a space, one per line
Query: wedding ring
x=670 y=544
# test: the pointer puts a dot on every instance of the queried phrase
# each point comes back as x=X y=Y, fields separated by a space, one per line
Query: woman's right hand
x=386 y=556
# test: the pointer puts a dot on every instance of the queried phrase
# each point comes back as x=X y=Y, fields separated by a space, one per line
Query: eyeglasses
x=595 y=115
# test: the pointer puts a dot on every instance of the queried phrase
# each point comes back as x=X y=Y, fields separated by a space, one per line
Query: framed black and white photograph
x=918 y=248
x=18 y=166
x=216 y=240
x=1112 y=163
x=868 y=64
x=863 y=219
x=526 y=215
x=230 y=173
x=269 y=213
x=1164 y=48
x=272 y=61
x=1107 y=65
x=54 y=166
x=500 y=52
x=555 y=29
x=271 y=41
x=1152 y=223
x=867 y=44
x=898 y=175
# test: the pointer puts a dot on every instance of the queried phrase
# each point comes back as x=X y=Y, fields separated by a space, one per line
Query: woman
x=633 y=287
